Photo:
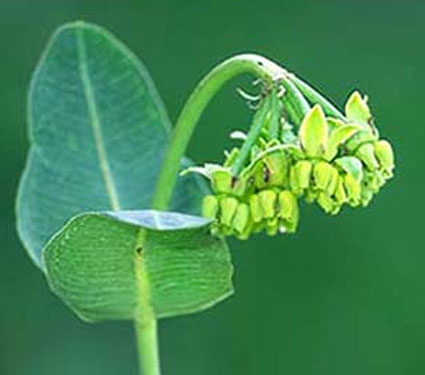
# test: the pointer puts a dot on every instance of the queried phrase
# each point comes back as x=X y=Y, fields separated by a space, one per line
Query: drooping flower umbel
x=328 y=160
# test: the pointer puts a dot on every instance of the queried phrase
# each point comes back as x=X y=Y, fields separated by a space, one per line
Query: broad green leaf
x=92 y=264
x=314 y=131
x=98 y=131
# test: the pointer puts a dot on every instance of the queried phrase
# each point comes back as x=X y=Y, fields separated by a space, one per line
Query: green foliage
x=98 y=132
x=92 y=264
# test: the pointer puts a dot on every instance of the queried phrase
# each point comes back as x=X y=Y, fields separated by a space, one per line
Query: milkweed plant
x=106 y=176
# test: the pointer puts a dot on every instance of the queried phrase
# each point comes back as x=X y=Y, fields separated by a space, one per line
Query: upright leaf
x=94 y=261
x=98 y=132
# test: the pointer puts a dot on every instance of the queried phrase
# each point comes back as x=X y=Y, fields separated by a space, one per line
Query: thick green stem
x=198 y=100
x=145 y=320
x=147 y=343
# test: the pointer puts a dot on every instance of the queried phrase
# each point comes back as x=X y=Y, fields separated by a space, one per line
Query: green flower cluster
x=260 y=198
x=340 y=162
x=329 y=161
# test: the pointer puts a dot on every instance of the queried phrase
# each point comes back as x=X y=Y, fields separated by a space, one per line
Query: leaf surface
x=98 y=133
x=92 y=264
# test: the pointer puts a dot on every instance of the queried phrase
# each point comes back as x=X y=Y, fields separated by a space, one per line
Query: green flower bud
x=242 y=218
x=278 y=166
x=333 y=183
x=385 y=155
x=270 y=170
x=210 y=207
x=357 y=110
x=221 y=181
x=353 y=189
x=255 y=208
x=340 y=194
x=288 y=210
x=272 y=226
x=325 y=177
x=380 y=177
x=261 y=175
x=314 y=131
x=268 y=200
x=326 y=202
x=300 y=175
x=366 y=197
x=228 y=207
x=224 y=183
x=366 y=153
x=373 y=181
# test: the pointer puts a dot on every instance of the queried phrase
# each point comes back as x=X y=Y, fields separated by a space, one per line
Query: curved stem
x=206 y=90
x=195 y=105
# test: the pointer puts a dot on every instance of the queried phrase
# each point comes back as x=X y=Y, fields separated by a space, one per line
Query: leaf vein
x=95 y=122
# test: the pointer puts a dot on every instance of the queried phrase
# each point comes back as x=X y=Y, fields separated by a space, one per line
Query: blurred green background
x=345 y=295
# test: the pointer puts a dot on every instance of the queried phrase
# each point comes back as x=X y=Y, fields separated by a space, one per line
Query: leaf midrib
x=144 y=309
x=95 y=122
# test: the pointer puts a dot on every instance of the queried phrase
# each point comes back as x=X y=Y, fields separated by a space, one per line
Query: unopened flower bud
x=366 y=153
x=268 y=203
x=271 y=170
x=224 y=183
x=272 y=226
x=228 y=207
x=353 y=189
x=325 y=177
x=373 y=181
x=340 y=194
x=277 y=166
x=255 y=208
x=288 y=210
x=241 y=219
x=366 y=197
x=210 y=207
x=326 y=202
x=385 y=155
x=300 y=176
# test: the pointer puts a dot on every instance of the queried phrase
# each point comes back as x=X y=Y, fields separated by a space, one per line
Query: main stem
x=147 y=345
x=145 y=320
